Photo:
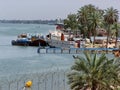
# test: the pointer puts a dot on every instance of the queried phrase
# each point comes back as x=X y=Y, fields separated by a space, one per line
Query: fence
x=46 y=80
x=73 y=50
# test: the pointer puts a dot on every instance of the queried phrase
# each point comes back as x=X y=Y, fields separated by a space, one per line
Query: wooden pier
x=72 y=50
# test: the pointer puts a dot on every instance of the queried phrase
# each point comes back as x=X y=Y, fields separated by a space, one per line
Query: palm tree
x=71 y=22
x=94 y=21
x=94 y=72
x=89 y=17
x=116 y=27
x=82 y=19
x=110 y=17
x=82 y=15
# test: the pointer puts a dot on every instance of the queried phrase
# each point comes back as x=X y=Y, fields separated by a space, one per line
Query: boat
x=27 y=39
x=60 y=38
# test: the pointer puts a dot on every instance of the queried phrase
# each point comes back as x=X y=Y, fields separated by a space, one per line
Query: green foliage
x=89 y=17
x=110 y=17
x=95 y=72
x=71 y=22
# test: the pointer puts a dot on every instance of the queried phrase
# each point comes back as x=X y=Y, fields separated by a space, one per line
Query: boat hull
x=19 y=43
x=38 y=42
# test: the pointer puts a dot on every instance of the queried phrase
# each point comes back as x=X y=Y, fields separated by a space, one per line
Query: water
x=21 y=63
x=20 y=59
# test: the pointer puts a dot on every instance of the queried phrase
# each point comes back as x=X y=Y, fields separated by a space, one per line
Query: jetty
x=73 y=50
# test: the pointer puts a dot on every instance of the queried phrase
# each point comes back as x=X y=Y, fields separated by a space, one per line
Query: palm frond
x=88 y=57
x=102 y=59
x=94 y=60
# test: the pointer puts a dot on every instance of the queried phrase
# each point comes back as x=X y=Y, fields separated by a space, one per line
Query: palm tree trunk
x=94 y=34
x=116 y=39
x=94 y=86
x=108 y=33
x=116 y=36
x=94 y=39
x=107 y=41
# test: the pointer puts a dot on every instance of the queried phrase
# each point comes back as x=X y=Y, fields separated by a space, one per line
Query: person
x=28 y=85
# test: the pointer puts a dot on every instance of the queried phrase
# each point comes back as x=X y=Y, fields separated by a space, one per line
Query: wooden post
x=46 y=50
x=69 y=50
x=54 y=50
x=76 y=51
x=38 y=51
x=61 y=50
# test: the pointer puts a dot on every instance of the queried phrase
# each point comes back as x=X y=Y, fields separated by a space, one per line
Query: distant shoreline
x=50 y=22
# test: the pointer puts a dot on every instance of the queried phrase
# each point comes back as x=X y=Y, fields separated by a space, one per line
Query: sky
x=48 y=9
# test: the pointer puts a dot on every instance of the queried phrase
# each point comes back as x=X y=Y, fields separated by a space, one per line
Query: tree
x=110 y=17
x=95 y=20
x=89 y=17
x=82 y=19
x=71 y=22
x=83 y=15
x=116 y=27
x=94 y=72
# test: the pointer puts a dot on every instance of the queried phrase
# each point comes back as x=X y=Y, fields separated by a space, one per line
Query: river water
x=22 y=59
x=19 y=63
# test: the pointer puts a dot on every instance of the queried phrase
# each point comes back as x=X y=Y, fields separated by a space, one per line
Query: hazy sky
x=48 y=9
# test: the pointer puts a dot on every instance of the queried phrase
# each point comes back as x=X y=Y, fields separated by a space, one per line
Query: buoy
x=28 y=84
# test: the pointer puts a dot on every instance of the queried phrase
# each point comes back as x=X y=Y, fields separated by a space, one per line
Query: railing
x=73 y=50
x=46 y=80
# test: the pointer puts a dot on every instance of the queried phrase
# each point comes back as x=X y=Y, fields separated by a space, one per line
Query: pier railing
x=72 y=50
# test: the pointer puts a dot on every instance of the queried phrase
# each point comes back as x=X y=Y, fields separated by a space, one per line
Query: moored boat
x=60 y=38
x=30 y=40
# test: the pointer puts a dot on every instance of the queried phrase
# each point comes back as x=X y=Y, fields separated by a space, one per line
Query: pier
x=73 y=50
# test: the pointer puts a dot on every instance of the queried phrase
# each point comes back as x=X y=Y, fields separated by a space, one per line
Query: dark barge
x=29 y=40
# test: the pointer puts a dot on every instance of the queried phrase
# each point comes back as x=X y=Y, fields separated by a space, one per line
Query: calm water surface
x=20 y=59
